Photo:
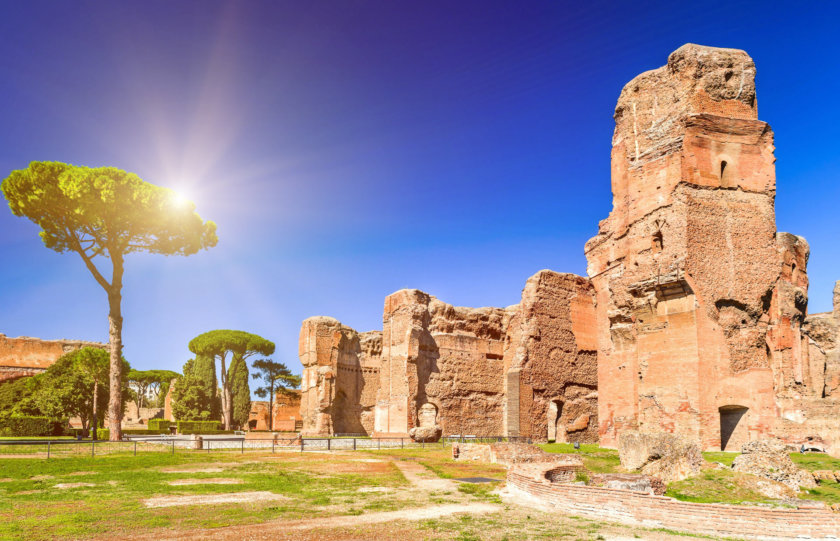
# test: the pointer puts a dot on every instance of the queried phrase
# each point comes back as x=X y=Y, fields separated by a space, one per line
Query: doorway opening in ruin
x=556 y=431
x=733 y=428
x=725 y=174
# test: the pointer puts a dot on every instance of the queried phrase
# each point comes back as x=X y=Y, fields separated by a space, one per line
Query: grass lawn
x=595 y=459
x=31 y=507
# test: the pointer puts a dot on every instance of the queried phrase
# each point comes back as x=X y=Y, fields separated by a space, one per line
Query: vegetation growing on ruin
x=596 y=459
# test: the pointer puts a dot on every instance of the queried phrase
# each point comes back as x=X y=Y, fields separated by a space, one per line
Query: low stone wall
x=648 y=511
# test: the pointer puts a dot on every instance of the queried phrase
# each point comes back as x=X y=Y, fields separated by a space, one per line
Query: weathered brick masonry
x=25 y=356
x=526 y=370
x=639 y=509
x=693 y=319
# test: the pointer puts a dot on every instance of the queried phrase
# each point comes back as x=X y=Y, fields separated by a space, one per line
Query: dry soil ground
x=383 y=495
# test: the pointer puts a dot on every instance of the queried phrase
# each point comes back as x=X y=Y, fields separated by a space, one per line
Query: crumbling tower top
x=697 y=79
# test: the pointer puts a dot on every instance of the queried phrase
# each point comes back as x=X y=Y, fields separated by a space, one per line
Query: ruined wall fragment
x=441 y=366
x=700 y=302
x=26 y=356
x=338 y=379
x=550 y=361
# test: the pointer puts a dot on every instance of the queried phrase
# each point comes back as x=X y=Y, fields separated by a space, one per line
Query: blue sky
x=348 y=149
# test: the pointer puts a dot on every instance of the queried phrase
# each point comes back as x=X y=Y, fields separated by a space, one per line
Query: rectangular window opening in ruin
x=733 y=428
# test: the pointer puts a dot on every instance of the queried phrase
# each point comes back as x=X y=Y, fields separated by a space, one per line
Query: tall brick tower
x=699 y=300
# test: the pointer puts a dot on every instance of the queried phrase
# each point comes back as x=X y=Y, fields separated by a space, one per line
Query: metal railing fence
x=171 y=444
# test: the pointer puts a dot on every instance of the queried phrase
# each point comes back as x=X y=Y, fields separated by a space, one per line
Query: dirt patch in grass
x=278 y=529
x=76 y=473
x=327 y=467
x=74 y=485
x=209 y=481
x=376 y=489
x=212 y=499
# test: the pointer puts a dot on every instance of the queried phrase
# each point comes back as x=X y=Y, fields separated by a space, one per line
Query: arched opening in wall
x=556 y=431
x=725 y=174
x=427 y=415
x=734 y=432
x=656 y=242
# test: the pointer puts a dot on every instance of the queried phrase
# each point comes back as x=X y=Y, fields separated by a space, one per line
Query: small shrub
x=582 y=476
x=159 y=425
x=198 y=427
x=102 y=434
x=31 y=426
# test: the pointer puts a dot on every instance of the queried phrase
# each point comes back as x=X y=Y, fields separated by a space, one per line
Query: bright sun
x=179 y=198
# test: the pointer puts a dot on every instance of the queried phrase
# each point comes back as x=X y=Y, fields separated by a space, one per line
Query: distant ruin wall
x=340 y=377
x=528 y=369
x=443 y=361
x=285 y=416
x=26 y=356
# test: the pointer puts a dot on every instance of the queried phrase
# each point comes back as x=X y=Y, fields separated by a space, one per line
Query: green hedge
x=159 y=425
x=142 y=432
x=31 y=426
x=102 y=434
x=198 y=427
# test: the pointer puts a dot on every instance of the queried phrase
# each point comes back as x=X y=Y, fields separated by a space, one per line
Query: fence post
x=301 y=445
x=354 y=444
x=48 y=450
x=402 y=443
x=173 y=447
x=329 y=442
x=135 y=447
x=92 y=448
x=379 y=444
x=272 y=445
x=423 y=443
x=243 y=446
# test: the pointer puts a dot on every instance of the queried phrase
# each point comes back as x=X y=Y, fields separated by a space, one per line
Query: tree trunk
x=95 y=400
x=115 y=372
x=271 y=408
x=227 y=414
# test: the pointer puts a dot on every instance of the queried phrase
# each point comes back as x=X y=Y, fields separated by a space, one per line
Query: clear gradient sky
x=348 y=149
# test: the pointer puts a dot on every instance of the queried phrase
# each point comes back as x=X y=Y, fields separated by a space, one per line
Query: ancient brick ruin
x=700 y=302
x=25 y=356
x=693 y=319
x=525 y=370
x=285 y=415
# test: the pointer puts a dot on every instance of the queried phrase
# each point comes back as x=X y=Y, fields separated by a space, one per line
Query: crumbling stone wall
x=26 y=356
x=550 y=361
x=524 y=370
x=823 y=332
x=441 y=366
x=340 y=377
x=700 y=302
